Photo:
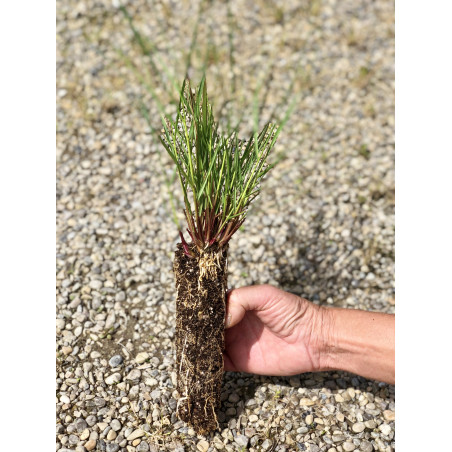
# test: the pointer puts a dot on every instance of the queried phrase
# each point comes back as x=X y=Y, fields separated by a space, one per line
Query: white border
x=27 y=181
x=423 y=225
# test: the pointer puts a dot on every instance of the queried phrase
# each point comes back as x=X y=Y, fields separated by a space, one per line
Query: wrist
x=321 y=338
x=326 y=341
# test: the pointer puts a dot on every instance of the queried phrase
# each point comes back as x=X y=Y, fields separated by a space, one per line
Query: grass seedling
x=220 y=176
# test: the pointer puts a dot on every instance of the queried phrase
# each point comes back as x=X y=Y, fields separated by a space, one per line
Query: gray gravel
x=323 y=226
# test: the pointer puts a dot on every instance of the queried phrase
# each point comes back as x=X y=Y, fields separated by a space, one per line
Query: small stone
x=135 y=442
x=371 y=424
x=155 y=395
x=120 y=296
x=91 y=420
x=80 y=425
x=90 y=445
x=267 y=444
x=73 y=439
x=66 y=350
x=338 y=438
x=385 y=429
x=143 y=447
x=358 y=427
x=112 y=447
x=202 y=446
x=85 y=434
x=242 y=440
x=111 y=435
x=100 y=402
x=340 y=416
x=113 y=379
x=138 y=433
x=65 y=399
x=234 y=398
x=249 y=432
x=251 y=403
x=95 y=284
x=253 y=418
x=348 y=446
x=134 y=374
x=115 y=425
x=102 y=426
x=151 y=381
x=115 y=361
x=78 y=331
x=389 y=415
x=309 y=419
x=141 y=357
x=366 y=446
x=306 y=402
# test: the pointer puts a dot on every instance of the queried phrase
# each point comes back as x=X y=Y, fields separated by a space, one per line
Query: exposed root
x=201 y=288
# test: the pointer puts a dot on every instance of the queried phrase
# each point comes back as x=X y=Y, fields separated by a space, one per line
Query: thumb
x=250 y=298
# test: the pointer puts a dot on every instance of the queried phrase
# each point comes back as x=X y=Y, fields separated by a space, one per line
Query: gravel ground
x=323 y=226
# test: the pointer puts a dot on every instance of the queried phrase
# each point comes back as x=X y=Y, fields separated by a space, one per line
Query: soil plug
x=220 y=176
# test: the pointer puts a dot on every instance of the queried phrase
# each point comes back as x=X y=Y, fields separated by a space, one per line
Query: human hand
x=271 y=332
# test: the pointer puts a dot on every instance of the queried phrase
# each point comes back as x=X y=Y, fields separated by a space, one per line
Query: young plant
x=220 y=176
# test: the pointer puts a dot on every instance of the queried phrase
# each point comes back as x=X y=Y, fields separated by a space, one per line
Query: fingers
x=251 y=298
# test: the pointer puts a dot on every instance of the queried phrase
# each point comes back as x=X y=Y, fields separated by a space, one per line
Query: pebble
x=65 y=399
x=115 y=425
x=306 y=402
x=202 y=446
x=91 y=420
x=134 y=374
x=370 y=424
x=358 y=427
x=151 y=381
x=113 y=378
x=234 y=398
x=389 y=415
x=115 y=361
x=141 y=357
x=366 y=446
x=66 y=350
x=95 y=284
x=143 y=447
x=112 y=447
x=348 y=446
x=242 y=440
x=90 y=445
x=385 y=429
x=135 y=434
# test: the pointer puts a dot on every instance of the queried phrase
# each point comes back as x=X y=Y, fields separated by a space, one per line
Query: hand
x=271 y=332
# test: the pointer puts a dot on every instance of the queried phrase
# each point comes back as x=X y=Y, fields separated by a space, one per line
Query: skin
x=273 y=332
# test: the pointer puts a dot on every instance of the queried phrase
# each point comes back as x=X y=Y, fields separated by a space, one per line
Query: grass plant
x=220 y=174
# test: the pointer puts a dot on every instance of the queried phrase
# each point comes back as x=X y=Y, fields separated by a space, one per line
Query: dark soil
x=201 y=284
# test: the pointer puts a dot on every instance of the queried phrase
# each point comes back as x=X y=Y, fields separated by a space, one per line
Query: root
x=208 y=264
x=201 y=287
